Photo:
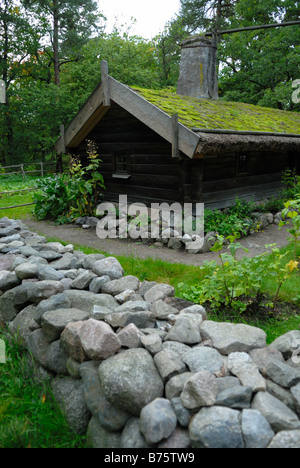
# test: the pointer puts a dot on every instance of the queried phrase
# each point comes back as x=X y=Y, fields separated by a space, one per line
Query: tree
x=131 y=60
x=205 y=15
x=66 y=26
x=168 y=52
x=260 y=66
x=17 y=42
x=195 y=17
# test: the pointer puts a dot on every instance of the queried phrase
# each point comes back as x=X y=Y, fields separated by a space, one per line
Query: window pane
x=243 y=163
x=121 y=164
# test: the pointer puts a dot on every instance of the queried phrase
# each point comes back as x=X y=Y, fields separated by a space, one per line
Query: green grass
x=13 y=183
x=29 y=415
x=17 y=199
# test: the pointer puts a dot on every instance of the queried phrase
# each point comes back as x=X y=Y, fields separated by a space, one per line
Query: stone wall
x=132 y=366
x=169 y=236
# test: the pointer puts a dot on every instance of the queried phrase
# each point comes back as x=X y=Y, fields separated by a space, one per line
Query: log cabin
x=161 y=146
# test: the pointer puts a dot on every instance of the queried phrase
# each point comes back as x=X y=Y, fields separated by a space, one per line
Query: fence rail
x=16 y=206
x=17 y=191
x=41 y=169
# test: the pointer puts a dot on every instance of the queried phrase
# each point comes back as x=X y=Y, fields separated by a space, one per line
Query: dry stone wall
x=172 y=235
x=132 y=366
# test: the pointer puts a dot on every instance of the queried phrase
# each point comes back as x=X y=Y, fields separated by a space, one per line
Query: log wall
x=154 y=176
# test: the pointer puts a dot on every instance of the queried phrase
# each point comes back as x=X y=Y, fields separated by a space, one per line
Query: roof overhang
x=194 y=143
x=213 y=142
x=96 y=107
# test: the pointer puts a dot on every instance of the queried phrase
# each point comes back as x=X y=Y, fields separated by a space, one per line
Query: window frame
x=242 y=164
x=124 y=173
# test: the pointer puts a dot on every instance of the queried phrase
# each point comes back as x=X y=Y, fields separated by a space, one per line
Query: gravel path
x=126 y=247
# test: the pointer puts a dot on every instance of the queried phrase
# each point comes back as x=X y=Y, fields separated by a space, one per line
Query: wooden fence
x=20 y=170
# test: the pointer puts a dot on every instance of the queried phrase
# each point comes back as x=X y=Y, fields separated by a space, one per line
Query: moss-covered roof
x=217 y=114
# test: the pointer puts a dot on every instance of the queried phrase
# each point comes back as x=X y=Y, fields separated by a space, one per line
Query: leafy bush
x=291 y=182
x=64 y=197
x=239 y=219
x=54 y=199
x=236 y=220
x=238 y=285
x=88 y=182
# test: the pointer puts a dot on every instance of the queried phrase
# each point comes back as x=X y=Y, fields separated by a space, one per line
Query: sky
x=151 y=16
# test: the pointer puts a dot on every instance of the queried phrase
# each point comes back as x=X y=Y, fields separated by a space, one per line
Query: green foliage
x=237 y=220
x=54 y=199
x=63 y=197
x=291 y=218
x=17 y=182
x=258 y=67
x=199 y=15
x=29 y=415
x=87 y=183
x=262 y=65
x=236 y=285
x=291 y=183
x=13 y=183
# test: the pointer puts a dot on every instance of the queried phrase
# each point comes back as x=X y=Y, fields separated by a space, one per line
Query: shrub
x=54 y=199
x=236 y=220
x=64 y=197
x=238 y=285
x=88 y=182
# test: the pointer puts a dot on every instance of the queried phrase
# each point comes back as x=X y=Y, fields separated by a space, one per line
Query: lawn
x=29 y=415
x=14 y=183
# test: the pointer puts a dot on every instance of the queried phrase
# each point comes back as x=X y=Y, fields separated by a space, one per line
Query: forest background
x=51 y=51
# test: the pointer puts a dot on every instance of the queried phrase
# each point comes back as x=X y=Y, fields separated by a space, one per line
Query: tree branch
x=68 y=61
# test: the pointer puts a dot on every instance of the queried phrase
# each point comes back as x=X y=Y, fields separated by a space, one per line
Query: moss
x=217 y=114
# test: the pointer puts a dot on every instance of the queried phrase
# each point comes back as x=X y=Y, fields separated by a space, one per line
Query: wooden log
x=219 y=131
x=10 y=173
x=17 y=191
x=105 y=83
x=16 y=206
x=175 y=136
x=253 y=28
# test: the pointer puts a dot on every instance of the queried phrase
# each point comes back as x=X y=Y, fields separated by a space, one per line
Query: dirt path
x=126 y=247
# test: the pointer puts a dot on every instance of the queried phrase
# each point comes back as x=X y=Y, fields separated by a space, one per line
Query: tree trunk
x=55 y=43
x=10 y=139
x=7 y=116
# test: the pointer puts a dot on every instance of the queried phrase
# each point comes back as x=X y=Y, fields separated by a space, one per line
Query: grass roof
x=217 y=114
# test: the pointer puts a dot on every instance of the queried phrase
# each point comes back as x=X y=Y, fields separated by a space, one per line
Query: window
x=121 y=166
x=242 y=164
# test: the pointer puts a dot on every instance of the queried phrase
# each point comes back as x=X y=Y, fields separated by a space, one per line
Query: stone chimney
x=198 y=71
